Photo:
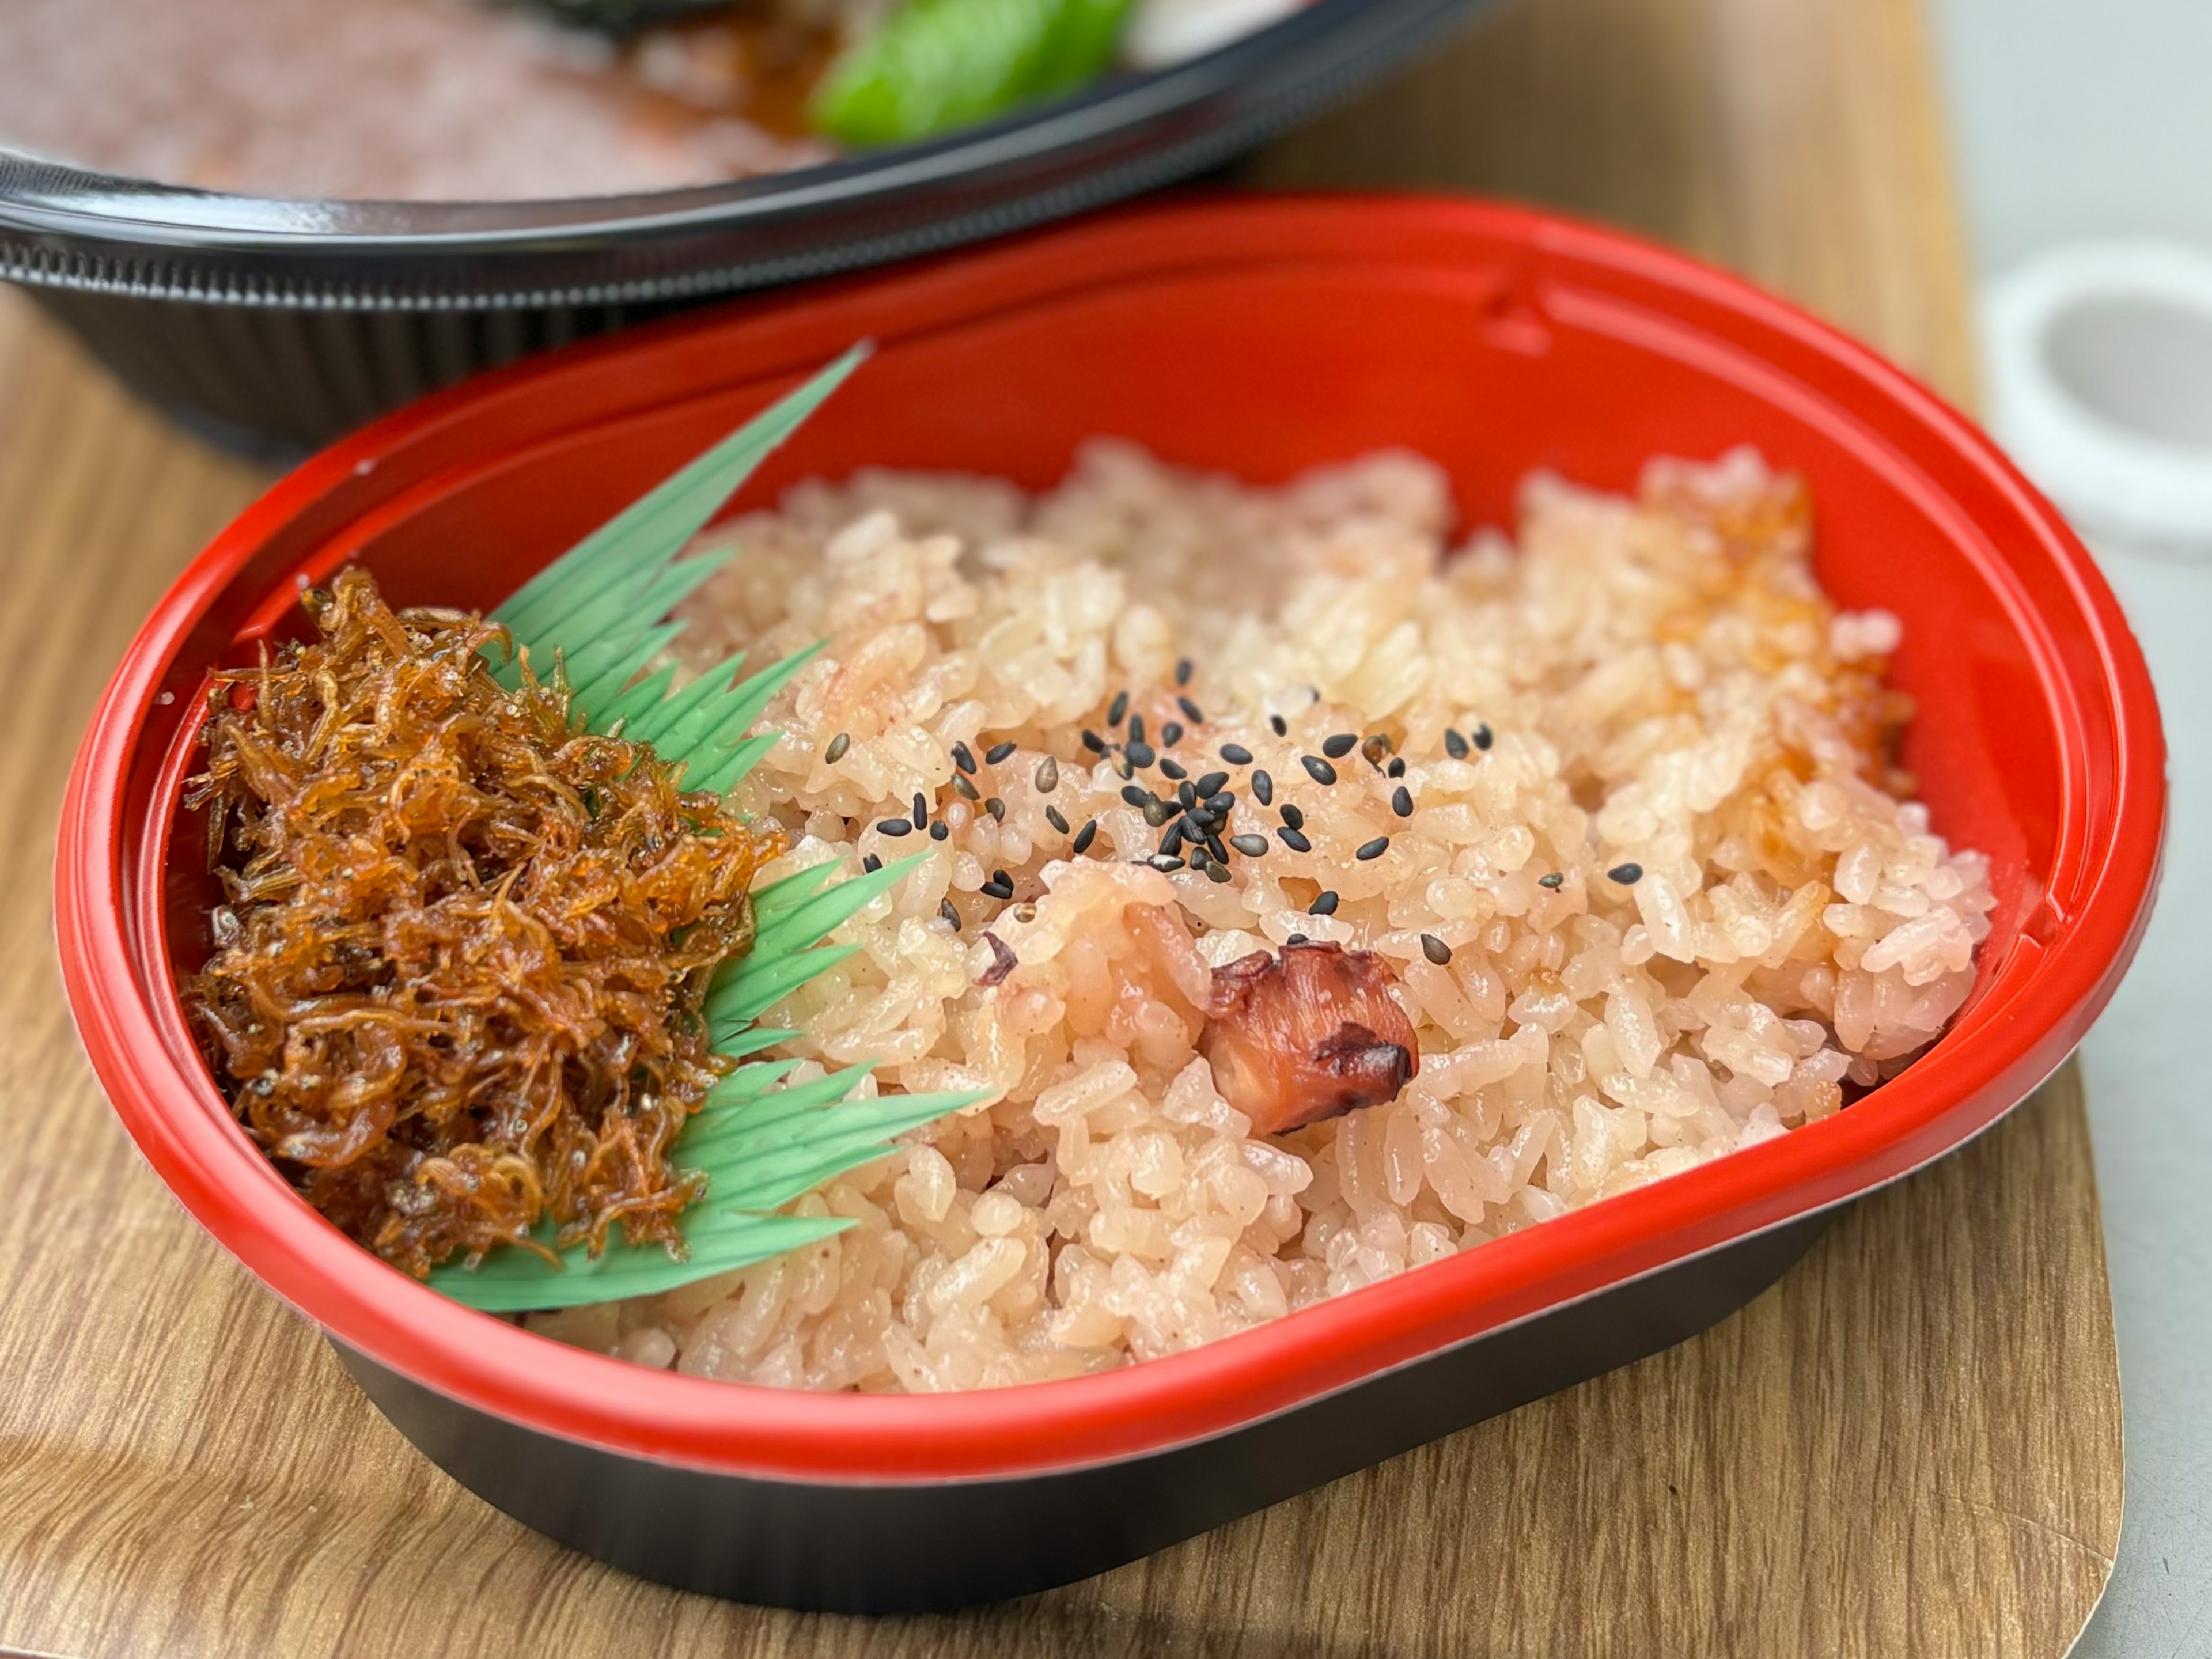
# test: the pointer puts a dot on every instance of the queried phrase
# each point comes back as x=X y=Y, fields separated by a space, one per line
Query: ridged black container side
x=279 y=384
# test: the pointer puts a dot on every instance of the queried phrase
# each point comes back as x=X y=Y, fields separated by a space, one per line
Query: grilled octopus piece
x=1307 y=1035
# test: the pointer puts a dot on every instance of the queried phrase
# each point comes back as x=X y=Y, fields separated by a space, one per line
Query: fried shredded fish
x=458 y=982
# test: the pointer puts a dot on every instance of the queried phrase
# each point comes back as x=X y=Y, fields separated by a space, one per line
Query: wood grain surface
x=1911 y=1446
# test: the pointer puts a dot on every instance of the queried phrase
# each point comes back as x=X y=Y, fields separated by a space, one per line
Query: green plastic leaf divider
x=647 y=693
x=716 y=721
x=730 y=770
x=761 y=1142
x=632 y=547
x=750 y=1120
x=817 y=915
x=518 y=1281
x=762 y=982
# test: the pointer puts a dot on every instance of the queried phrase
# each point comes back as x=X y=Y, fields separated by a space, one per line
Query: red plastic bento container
x=1259 y=336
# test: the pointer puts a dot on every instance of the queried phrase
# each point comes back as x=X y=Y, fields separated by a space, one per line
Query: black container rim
x=65 y=227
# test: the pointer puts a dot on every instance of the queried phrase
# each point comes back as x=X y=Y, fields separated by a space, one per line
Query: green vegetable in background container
x=938 y=65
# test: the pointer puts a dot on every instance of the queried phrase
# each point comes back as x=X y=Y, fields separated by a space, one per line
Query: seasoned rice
x=1656 y=683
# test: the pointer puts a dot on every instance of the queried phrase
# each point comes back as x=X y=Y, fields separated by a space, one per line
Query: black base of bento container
x=276 y=384
x=935 y=1545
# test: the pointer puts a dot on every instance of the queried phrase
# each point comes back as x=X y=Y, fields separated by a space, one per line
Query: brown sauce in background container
x=404 y=99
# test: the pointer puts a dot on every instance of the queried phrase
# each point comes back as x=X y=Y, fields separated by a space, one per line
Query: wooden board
x=1910 y=1446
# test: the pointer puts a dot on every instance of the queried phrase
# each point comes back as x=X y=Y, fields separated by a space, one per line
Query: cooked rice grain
x=1661 y=685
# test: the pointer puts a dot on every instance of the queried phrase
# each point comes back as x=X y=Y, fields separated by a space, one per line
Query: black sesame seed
x=1172 y=769
x=1373 y=747
x=1137 y=795
x=1157 y=812
x=1140 y=753
x=1182 y=672
x=1216 y=871
x=964 y=758
x=1317 y=768
x=1338 y=747
x=1187 y=793
x=1263 y=789
x=895 y=827
x=939 y=830
x=1293 y=816
x=944 y=908
x=1163 y=862
x=1291 y=839
x=1047 y=777
x=1213 y=783
x=1236 y=754
x=1373 y=850
x=1401 y=802
x=1191 y=711
x=996 y=808
x=1555 y=881
x=1171 y=842
x=1323 y=906
x=1052 y=816
x=1195 y=826
x=1093 y=742
x=1436 y=950
x=1214 y=847
x=1118 y=710
x=1298 y=939
x=1136 y=728
x=1252 y=846
x=1084 y=837
x=838 y=745
x=871 y=864
x=1627 y=874
x=1221 y=805
x=1170 y=735
x=920 y=809
x=1002 y=878
x=998 y=889
x=963 y=789
x=1282 y=727
x=999 y=751
x=1397 y=767
x=1483 y=739
x=1455 y=744
x=1200 y=857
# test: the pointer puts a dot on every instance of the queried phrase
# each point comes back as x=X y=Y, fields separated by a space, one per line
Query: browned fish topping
x=1305 y=1035
x=457 y=985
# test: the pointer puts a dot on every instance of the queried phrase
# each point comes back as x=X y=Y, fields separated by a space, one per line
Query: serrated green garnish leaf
x=757 y=1156
x=520 y=1281
x=761 y=1142
x=934 y=66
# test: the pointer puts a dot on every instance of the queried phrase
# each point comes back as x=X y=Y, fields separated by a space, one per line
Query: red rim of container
x=2069 y=960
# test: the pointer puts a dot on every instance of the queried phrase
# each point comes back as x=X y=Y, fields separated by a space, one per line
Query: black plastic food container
x=941 y=1545
x=274 y=327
